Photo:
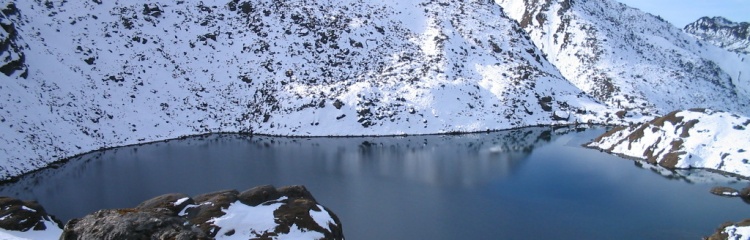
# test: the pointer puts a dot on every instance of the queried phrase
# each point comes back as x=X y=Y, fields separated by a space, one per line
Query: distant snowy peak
x=631 y=59
x=696 y=138
x=722 y=32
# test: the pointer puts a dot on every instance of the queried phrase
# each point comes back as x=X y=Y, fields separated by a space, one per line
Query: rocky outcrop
x=26 y=220
x=696 y=138
x=261 y=212
x=17 y=215
x=131 y=224
x=729 y=230
x=723 y=33
x=725 y=191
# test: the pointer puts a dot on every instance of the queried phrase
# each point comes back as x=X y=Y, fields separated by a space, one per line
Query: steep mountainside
x=721 y=32
x=696 y=138
x=631 y=59
x=84 y=75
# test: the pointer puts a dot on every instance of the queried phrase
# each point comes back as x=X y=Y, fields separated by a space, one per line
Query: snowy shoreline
x=60 y=162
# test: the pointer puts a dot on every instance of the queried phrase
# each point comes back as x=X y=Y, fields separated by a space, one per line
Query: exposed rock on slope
x=111 y=73
x=631 y=59
x=721 y=32
x=695 y=138
x=12 y=59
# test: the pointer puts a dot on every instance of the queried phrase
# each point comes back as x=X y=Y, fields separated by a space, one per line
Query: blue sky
x=683 y=12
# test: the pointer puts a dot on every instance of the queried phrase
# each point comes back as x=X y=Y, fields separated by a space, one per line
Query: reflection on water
x=489 y=185
x=138 y=172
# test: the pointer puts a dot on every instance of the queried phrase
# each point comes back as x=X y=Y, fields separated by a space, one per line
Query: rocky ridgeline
x=721 y=32
x=262 y=212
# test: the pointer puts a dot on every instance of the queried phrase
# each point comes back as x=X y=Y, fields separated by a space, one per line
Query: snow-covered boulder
x=696 y=138
x=26 y=220
x=263 y=212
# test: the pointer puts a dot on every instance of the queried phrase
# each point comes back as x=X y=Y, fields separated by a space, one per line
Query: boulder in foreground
x=263 y=212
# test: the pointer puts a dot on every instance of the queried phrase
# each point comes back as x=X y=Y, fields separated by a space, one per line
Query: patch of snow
x=737 y=233
x=322 y=217
x=28 y=209
x=247 y=221
x=180 y=201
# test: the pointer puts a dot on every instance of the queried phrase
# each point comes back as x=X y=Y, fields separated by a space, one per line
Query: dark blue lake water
x=531 y=183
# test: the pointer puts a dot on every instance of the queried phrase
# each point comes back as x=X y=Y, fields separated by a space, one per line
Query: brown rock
x=131 y=224
x=725 y=191
x=167 y=201
x=257 y=195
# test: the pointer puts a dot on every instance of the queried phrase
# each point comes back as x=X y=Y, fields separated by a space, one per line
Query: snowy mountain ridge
x=96 y=74
x=721 y=32
x=633 y=60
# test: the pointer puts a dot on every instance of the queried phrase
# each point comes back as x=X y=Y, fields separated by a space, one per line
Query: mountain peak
x=732 y=36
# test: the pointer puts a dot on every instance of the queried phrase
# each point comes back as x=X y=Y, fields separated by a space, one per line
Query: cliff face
x=721 y=32
x=631 y=59
x=110 y=73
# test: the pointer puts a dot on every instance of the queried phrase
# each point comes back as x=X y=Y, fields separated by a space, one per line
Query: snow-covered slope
x=95 y=74
x=631 y=59
x=697 y=138
x=721 y=32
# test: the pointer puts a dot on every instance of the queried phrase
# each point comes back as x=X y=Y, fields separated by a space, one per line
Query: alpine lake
x=529 y=183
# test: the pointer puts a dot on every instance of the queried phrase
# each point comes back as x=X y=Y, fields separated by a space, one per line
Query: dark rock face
x=15 y=59
x=17 y=215
x=177 y=216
